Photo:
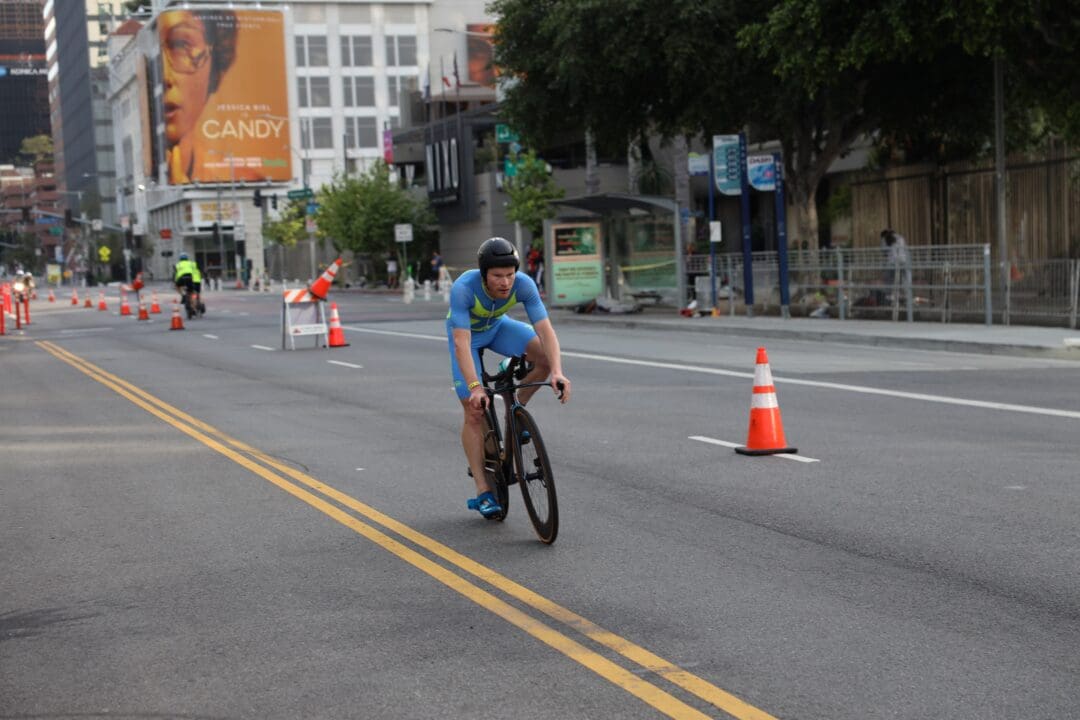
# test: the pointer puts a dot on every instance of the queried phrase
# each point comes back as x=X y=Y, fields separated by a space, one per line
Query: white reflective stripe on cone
x=762 y=375
x=763 y=401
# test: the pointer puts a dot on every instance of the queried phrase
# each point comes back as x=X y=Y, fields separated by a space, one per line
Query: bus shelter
x=627 y=246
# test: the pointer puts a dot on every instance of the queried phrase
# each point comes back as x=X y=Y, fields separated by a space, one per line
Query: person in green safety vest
x=188 y=281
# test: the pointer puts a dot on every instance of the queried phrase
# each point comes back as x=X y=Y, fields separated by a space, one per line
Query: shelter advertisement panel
x=224 y=95
x=577 y=267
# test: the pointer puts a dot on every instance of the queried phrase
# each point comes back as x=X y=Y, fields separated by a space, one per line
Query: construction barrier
x=302 y=314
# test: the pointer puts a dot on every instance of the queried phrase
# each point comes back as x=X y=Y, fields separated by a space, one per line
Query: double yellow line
x=273 y=471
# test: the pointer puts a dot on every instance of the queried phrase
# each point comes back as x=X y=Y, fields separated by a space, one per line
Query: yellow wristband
x=474 y=384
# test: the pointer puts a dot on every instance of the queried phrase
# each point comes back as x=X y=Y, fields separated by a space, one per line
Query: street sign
x=104 y=253
x=715 y=235
x=239 y=233
x=504 y=134
x=96 y=225
x=300 y=194
x=56 y=230
x=312 y=207
x=166 y=233
x=309 y=225
x=403 y=233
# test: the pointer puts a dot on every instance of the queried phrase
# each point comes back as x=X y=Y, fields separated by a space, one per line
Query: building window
x=400 y=51
x=397 y=84
x=361 y=132
x=359 y=91
x=313 y=91
x=356 y=51
x=311 y=51
x=316 y=133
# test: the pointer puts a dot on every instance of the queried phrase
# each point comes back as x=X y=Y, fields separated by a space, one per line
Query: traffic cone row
x=125 y=309
x=101 y=302
x=74 y=297
x=155 y=309
x=88 y=303
x=337 y=335
x=143 y=315
x=52 y=296
x=766 y=433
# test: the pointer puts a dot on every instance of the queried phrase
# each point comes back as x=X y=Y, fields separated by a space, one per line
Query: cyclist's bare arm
x=550 y=343
x=469 y=371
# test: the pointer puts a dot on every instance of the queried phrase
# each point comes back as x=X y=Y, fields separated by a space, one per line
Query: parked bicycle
x=515 y=453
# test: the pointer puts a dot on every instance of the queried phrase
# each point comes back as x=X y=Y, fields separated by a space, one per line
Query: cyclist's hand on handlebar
x=561 y=385
x=478 y=398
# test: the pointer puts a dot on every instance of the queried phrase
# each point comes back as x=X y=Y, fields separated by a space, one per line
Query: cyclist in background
x=479 y=301
x=188 y=281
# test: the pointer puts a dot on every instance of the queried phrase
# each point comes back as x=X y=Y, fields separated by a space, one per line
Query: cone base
x=766 y=451
x=334 y=345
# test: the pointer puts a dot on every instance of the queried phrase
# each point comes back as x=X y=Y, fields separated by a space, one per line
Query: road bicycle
x=191 y=301
x=515 y=454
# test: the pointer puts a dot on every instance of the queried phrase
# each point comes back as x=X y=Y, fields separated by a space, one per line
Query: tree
x=37 y=148
x=358 y=212
x=814 y=74
x=289 y=228
x=531 y=191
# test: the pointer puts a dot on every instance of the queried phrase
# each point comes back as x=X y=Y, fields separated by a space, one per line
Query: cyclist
x=479 y=300
x=187 y=277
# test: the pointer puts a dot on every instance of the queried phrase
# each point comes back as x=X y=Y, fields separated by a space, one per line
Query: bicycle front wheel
x=535 y=478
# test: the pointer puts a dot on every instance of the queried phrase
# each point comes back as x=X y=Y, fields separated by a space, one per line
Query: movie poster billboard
x=481 y=54
x=224 y=96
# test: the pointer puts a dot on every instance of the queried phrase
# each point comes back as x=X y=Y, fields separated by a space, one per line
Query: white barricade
x=302 y=314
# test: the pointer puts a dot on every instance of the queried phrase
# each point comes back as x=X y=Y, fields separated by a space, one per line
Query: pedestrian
x=391 y=273
x=436 y=266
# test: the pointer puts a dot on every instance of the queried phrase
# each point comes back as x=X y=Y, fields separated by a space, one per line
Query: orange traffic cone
x=101 y=302
x=337 y=335
x=125 y=309
x=320 y=287
x=766 y=433
x=52 y=296
x=177 y=322
x=143 y=315
x=155 y=309
x=74 y=297
x=88 y=303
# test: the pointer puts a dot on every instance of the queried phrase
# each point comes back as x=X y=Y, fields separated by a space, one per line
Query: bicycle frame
x=505 y=387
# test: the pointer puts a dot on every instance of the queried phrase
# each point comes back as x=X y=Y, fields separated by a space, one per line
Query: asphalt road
x=198 y=524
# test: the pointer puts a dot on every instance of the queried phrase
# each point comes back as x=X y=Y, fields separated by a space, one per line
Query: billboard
x=481 y=54
x=224 y=96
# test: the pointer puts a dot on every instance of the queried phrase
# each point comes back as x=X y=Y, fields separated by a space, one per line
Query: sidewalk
x=1024 y=340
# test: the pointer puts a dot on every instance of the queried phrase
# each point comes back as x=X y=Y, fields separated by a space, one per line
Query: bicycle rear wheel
x=493 y=469
x=535 y=478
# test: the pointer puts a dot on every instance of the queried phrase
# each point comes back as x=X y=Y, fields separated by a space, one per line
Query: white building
x=347 y=64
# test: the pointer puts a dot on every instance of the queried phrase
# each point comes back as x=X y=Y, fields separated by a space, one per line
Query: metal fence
x=950 y=283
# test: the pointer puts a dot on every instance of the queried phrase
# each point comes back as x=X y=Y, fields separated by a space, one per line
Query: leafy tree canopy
x=289 y=228
x=814 y=74
x=359 y=212
x=531 y=191
x=37 y=148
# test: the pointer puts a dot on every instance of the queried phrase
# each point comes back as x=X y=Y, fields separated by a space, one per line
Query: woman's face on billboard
x=187 y=63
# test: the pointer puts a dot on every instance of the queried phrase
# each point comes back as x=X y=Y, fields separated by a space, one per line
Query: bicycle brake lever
x=562 y=388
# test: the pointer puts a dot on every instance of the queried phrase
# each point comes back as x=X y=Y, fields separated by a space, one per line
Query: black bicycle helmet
x=497 y=252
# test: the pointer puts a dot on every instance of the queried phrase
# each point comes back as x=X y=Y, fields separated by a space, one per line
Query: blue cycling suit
x=471 y=308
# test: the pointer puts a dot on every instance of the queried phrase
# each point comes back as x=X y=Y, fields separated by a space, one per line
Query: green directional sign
x=56 y=230
x=300 y=194
x=504 y=134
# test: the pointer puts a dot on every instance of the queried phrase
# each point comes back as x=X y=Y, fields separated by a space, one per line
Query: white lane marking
x=393 y=332
x=943 y=399
x=345 y=364
x=263 y=347
x=725 y=443
x=212 y=337
x=1016 y=487
x=359 y=469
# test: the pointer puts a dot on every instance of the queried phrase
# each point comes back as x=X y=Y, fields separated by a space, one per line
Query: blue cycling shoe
x=486 y=504
x=525 y=437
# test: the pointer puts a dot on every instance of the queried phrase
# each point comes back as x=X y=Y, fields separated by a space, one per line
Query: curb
x=828 y=336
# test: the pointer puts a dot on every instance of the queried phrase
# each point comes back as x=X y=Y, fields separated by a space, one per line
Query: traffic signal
x=258 y=197
x=273 y=201
x=26 y=214
x=217 y=233
x=67 y=218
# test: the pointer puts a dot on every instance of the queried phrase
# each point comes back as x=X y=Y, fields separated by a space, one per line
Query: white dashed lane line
x=345 y=364
x=212 y=337
x=725 y=443
x=263 y=347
